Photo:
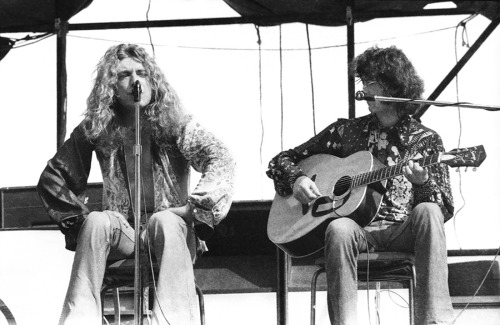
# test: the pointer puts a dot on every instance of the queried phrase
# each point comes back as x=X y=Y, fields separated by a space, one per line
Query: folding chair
x=377 y=267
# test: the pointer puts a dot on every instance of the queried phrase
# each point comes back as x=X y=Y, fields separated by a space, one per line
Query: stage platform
x=35 y=272
x=238 y=274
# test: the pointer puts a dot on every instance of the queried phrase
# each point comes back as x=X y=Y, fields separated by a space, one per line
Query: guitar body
x=299 y=229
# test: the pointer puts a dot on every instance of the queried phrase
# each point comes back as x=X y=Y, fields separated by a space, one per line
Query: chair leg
x=116 y=305
x=201 y=302
x=413 y=283
x=314 y=280
x=103 y=294
x=377 y=302
x=411 y=302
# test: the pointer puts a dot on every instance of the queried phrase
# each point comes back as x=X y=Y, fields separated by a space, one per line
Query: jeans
x=422 y=233
x=107 y=236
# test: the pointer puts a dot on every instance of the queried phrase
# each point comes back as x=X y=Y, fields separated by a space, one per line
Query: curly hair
x=164 y=113
x=393 y=71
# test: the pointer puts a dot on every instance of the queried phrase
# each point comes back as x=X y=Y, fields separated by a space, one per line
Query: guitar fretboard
x=390 y=171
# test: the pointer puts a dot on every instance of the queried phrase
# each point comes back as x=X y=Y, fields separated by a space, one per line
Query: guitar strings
x=385 y=173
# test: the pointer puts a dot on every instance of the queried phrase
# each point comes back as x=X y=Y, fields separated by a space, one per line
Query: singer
x=415 y=206
x=174 y=221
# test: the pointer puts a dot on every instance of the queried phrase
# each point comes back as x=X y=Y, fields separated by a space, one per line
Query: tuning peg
x=458 y=169
x=474 y=169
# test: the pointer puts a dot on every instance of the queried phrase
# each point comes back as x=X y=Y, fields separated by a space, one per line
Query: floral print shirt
x=390 y=146
x=63 y=182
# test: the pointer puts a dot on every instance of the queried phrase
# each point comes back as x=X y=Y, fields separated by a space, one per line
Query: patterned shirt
x=391 y=146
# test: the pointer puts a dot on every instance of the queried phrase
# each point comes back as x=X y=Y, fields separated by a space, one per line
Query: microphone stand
x=137 y=213
x=360 y=95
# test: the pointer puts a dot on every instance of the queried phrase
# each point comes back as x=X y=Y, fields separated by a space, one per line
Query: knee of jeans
x=167 y=221
x=97 y=219
x=340 y=230
x=428 y=213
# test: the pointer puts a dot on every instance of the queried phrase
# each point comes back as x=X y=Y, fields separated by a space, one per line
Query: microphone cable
x=259 y=42
x=149 y=31
x=466 y=43
x=479 y=287
x=150 y=258
x=311 y=77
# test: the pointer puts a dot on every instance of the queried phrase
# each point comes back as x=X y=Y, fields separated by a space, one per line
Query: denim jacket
x=63 y=182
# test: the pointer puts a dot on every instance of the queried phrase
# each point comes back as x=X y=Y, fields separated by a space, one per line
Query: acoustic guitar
x=352 y=187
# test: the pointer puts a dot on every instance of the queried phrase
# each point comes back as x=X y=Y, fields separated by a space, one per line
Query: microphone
x=136 y=91
x=360 y=95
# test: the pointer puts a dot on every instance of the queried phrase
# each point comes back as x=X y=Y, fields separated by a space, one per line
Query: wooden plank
x=21 y=207
x=236 y=274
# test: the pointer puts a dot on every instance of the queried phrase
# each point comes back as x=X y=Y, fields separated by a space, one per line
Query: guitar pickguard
x=333 y=205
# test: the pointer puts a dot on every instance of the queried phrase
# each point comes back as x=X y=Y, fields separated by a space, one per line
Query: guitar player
x=414 y=207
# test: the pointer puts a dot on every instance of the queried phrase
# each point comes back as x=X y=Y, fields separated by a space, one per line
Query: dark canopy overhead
x=16 y=13
x=22 y=13
x=333 y=12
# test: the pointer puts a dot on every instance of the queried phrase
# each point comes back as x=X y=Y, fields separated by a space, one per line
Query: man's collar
x=401 y=128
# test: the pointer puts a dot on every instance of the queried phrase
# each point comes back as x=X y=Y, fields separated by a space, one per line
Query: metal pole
x=361 y=96
x=351 y=82
x=61 y=28
x=137 y=213
x=323 y=18
x=283 y=261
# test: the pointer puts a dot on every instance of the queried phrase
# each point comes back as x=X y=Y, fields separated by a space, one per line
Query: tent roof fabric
x=22 y=13
x=17 y=13
x=333 y=12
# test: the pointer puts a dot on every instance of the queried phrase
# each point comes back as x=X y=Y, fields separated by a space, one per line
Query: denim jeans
x=107 y=236
x=422 y=233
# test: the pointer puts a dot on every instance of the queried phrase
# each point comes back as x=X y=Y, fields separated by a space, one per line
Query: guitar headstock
x=465 y=157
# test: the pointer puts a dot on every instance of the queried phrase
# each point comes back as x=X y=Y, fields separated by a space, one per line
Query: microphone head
x=360 y=95
x=137 y=90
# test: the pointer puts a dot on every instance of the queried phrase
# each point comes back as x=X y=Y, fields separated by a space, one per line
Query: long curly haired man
x=174 y=220
x=164 y=113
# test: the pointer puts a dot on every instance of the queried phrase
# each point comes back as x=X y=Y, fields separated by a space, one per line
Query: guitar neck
x=391 y=171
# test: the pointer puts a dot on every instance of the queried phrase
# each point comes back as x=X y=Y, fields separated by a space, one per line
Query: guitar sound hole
x=342 y=186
